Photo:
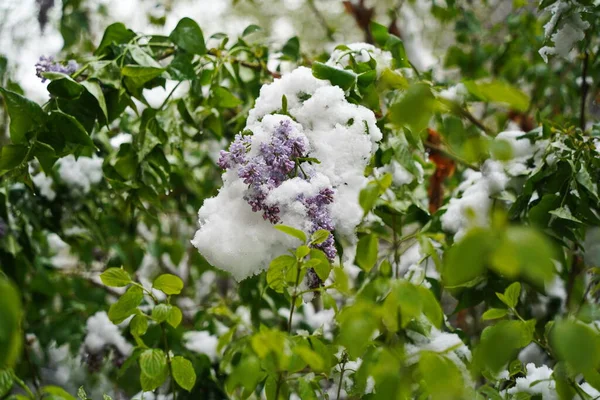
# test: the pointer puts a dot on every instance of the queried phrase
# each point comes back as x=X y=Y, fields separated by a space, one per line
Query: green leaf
x=297 y=233
x=150 y=383
x=319 y=236
x=323 y=267
x=182 y=68
x=277 y=271
x=395 y=46
x=494 y=313
x=430 y=306
x=441 y=377
x=142 y=57
x=224 y=98
x=564 y=213
x=302 y=251
x=95 y=90
x=188 y=36
x=115 y=277
x=415 y=108
x=160 y=312
x=10 y=322
x=138 y=325
x=153 y=362
x=339 y=77
x=499 y=92
x=526 y=252
x=577 y=344
x=71 y=130
x=6 y=381
x=126 y=305
x=13 y=155
x=291 y=49
x=512 y=294
x=500 y=344
x=139 y=75
x=183 y=373
x=56 y=393
x=356 y=321
x=116 y=33
x=312 y=358
x=63 y=86
x=82 y=394
x=25 y=115
x=366 y=252
x=168 y=284
x=464 y=262
x=380 y=33
x=175 y=316
x=368 y=196
x=251 y=29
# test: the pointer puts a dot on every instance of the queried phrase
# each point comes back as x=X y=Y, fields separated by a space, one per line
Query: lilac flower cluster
x=268 y=170
x=318 y=212
x=276 y=162
x=47 y=64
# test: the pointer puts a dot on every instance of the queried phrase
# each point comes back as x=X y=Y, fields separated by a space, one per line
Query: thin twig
x=466 y=114
x=450 y=155
x=289 y=325
x=341 y=379
x=247 y=64
x=328 y=29
x=584 y=91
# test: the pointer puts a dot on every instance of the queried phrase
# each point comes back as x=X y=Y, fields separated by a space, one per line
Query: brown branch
x=362 y=15
x=454 y=157
x=466 y=114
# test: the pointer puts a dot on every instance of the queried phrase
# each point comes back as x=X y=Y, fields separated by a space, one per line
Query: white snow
x=80 y=174
x=362 y=52
x=201 y=342
x=101 y=332
x=234 y=238
x=546 y=387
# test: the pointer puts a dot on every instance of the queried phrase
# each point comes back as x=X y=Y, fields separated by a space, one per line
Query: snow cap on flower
x=267 y=179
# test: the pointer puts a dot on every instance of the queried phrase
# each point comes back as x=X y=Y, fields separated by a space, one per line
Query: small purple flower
x=251 y=173
x=312 y=279
x=47 y=64
x=275 y=162
x=236 y=154
x=318 y=212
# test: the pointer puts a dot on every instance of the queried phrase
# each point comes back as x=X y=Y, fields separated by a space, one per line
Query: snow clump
x=304 y=169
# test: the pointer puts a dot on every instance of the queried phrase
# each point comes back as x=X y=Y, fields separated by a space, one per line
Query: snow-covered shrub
x=195 y=214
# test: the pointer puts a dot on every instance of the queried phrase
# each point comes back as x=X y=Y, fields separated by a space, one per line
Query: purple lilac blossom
x=47 y=64
x=318 y=211
x=273 y=165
